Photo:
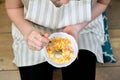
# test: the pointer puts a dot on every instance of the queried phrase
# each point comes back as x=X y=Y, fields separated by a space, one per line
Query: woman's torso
x=25 y=56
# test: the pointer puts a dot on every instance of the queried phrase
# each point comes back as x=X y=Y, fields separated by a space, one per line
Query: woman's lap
x=82 y=68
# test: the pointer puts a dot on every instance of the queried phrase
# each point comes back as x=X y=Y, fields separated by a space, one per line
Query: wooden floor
x=108 y=71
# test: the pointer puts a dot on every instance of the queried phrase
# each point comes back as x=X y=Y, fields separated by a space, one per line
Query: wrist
x=81 y=26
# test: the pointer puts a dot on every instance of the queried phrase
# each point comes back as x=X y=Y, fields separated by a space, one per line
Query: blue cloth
x=106 y=47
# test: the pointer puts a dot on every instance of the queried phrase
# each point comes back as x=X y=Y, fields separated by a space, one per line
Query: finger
x=30 y=47
x=46 y=35
x=45 y=40
x=39 y=40
x=35 y=48
x=34 y=44
x=35 y=41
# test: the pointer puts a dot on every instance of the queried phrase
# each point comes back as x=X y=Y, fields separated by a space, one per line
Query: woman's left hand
x=73 y=30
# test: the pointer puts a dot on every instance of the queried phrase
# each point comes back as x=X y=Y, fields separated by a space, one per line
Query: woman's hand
x=73 y=30
x=36 y=40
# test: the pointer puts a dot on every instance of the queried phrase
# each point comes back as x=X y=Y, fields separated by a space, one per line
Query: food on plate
x=60 y=49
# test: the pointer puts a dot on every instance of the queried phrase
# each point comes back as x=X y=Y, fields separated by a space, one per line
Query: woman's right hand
x=36 y=40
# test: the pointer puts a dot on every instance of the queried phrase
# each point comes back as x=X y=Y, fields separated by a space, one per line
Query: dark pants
x=83 y=68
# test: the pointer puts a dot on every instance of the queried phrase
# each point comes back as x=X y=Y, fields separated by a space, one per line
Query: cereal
x=63 y=46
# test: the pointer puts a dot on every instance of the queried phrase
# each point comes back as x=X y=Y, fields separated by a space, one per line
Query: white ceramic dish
x=73 y=44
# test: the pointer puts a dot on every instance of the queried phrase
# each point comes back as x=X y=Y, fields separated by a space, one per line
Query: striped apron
x=46 y=17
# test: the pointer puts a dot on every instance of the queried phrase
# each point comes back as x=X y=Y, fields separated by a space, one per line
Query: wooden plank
x=6 y=53
x=114 y=33
x=14 y=75
x=108 y=73
x=57 y=75
x=113 y=12
x=9 y=75
x=5 y=23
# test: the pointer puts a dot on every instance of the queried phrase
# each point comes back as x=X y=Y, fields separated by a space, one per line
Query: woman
x=33 y=22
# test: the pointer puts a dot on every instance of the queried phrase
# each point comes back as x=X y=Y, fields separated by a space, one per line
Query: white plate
x=74 y=46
